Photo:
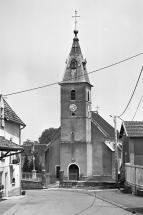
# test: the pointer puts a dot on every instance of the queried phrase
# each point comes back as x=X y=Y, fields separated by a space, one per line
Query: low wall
x=29 y=185
x=14 y=192
x=101 y=185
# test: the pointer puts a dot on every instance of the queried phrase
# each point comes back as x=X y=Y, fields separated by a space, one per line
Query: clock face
x=73 y=107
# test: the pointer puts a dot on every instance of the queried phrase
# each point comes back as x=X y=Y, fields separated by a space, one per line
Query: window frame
x=73 y=96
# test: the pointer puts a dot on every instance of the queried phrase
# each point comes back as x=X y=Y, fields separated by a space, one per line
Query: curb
x=13 y=209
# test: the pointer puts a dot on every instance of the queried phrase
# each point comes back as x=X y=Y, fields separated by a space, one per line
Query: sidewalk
x=10 y=204
x=129 y=202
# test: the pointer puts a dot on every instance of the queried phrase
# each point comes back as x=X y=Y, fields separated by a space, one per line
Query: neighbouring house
x=131 y=133
x=10 y=149
x=83 y=146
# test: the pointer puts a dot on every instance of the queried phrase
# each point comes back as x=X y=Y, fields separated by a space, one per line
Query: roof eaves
x=125 y=130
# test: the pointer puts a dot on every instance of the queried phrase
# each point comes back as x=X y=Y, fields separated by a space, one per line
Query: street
x=53 y=202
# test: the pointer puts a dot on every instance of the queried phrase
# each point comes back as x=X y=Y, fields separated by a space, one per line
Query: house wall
x=46 y=167
x=138 y=151
x=132 y=150
x=8 y=170
x=101 y=154
x=12 y=130
x=97 y=161
x=54 y=156
x=125 y=150
x=107 y=160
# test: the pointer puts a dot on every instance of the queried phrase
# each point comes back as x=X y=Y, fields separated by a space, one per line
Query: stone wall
x=29 y=185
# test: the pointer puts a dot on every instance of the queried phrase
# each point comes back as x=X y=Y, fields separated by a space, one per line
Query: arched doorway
x=73 y=172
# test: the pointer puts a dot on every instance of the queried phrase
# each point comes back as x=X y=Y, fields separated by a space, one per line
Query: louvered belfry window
x=73 y=64
x=73 y=93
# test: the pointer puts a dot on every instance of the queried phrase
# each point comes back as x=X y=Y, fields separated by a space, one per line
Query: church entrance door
x=73 y=172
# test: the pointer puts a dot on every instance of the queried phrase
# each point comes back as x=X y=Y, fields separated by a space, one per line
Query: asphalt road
x=55 y=202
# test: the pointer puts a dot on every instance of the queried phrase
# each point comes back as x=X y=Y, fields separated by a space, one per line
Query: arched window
x=73 y=92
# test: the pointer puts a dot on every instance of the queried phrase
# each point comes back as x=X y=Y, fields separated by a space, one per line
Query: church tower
x=75 y=145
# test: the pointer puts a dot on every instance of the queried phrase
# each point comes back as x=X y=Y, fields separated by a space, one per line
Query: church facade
x=83 y=146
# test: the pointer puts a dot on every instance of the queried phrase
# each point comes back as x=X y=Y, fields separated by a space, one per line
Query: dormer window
x=73 y=64
x=73 y=92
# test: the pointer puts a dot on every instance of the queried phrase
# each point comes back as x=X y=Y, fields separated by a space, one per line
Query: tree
x=29 y=142
x=26 y=164
x=38 y=163
x=46 y=135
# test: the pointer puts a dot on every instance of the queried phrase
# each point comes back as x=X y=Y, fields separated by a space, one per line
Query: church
x=83 y=147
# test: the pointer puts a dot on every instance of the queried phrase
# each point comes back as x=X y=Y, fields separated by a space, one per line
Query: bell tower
x=76 y=146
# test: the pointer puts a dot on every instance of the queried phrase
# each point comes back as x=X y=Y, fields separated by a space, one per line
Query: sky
x=35 y=41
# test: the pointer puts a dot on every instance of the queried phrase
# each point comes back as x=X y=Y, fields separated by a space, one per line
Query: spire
x=75 y=65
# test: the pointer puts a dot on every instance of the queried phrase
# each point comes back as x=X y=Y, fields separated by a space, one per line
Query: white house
x=10 y=149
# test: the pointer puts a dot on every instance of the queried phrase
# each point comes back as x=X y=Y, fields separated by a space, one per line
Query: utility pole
x=116 y=151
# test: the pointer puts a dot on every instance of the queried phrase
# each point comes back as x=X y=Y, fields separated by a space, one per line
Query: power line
x=137 y=107
x=48 y=85
x=132 y=93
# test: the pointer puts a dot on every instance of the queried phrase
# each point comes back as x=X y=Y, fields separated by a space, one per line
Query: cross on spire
x=97 y=109
x=75 y=19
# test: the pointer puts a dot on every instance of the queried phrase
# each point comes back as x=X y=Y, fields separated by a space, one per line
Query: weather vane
x=75 y=18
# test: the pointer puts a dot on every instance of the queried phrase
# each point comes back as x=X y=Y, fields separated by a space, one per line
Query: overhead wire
x=132 y=94
x=48 y=85
x=137 y=107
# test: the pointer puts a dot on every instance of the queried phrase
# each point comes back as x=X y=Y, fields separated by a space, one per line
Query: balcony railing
x=28 y=176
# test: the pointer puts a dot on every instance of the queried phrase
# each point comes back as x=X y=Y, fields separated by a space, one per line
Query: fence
x=28 y=176
x=134 y=175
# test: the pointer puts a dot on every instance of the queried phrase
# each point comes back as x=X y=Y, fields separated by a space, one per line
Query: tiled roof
x=6 y=145
x=107 y=128
x=133 y=128
x=10 y=115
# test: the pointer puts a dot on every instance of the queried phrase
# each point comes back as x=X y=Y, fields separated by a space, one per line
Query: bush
x=1 y=186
